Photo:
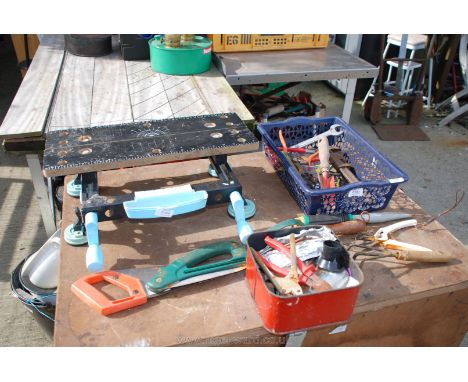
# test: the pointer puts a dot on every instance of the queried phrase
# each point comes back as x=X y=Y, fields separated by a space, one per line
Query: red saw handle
x=83 y=288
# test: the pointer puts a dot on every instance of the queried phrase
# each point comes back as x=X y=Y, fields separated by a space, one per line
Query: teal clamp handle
x=186 y=267
x=244 y=230
x=94 y=256
x=286 y=223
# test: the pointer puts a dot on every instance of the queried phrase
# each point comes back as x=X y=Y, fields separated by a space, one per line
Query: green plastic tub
x=191 y=58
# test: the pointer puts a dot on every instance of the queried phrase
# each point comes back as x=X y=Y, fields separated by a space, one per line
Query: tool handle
x=243 y=228
x=294 y=150
x=324 y=154
x=282 y=140
x=425 y=257
x=83 y=288
x=94 y=256
x=402 y=246
x=382 y=233
x=293 y=275
x=191 y=265
x=351 y=227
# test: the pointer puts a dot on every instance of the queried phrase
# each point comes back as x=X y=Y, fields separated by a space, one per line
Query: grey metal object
x=295 y=339
x=453 y=101
x=41 y=193
x=352 y=44
x=330 y=63
x=244 y=68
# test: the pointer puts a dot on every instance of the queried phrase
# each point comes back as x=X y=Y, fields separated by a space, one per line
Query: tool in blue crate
x=86 y=151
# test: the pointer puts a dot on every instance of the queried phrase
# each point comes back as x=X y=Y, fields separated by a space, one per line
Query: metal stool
x=413 y=43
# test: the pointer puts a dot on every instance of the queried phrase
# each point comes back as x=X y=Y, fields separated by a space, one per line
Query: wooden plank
x=100 y=148
x=111 y=100
x=74 y=94
x=147 y=94
x=29 y=110
x=184 y=97
x=35 y=144
x=221 y=312
x=157 y=96
x=219 y=95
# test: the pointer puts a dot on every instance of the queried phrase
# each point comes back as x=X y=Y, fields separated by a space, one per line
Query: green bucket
x=191 y=58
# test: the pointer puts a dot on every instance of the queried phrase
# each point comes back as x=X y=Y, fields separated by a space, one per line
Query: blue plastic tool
x=244 y=230
x=165 y=203
x=74 y=187
x=94 y=257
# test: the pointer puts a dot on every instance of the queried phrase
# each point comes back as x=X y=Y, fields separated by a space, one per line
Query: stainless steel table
x=330 y=63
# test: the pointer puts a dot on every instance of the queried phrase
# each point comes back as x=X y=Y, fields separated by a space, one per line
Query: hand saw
x=144 y=283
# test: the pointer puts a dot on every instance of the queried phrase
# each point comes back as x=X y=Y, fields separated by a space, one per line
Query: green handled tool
x=144 y=283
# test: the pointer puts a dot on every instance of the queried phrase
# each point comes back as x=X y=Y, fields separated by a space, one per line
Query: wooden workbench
x=399 y=304
x=62 y=91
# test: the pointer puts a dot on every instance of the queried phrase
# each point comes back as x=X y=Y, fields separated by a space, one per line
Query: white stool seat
x=415 y=41
x=406 y=66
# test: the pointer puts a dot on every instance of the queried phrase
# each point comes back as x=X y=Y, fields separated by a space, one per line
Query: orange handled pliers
x=305 y=270
x=284 y=147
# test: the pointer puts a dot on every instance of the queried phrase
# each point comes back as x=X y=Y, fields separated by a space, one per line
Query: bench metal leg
x=349 y=98
x=295 y=339
x=41 y=193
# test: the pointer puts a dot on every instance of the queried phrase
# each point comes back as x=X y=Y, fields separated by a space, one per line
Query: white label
x=339 y=329
x=164 y=212
x=163 y=191
x=356 y=192
x=396 y=180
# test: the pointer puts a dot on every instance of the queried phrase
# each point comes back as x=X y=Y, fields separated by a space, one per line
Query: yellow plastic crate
x=249 y=42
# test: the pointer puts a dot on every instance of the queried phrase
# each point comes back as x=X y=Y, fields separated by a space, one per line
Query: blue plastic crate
x=379 y=177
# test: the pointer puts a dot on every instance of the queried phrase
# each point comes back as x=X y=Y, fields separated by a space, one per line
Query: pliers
x=284 y=147
x=307 y=272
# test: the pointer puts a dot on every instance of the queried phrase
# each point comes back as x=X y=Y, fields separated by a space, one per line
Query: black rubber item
x=135 y=46
x=88 y=45
x=334 y=257
x=43 y=313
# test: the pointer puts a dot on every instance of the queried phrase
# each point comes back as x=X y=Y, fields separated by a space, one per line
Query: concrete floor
x=435 y=168
x=21 y=228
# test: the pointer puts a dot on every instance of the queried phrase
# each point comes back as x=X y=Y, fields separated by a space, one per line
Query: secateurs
x=144 y=283
x=382 y=245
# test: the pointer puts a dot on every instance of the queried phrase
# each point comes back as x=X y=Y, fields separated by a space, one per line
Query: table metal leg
x=41 y=193
x=349 y=98
x=295 y=339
